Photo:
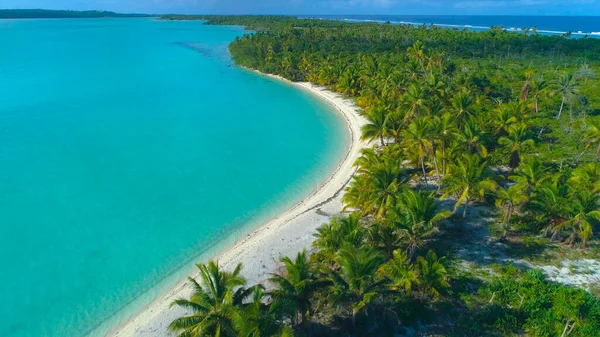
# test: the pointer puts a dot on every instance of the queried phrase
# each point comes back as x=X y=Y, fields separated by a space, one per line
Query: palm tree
x=446 y=130
x=340 y=230
x=355 y=283
x=586 y=177
x=530 y=174
x=462 y=104
x=383 y=236
x=376 y=125
x=470 y=179
x=510 y=200
x=417 y=51
x=517 y=139
x=294 y=288
x=370 y=157
x=472 y=136
x=399 y=272
x=375 y=189
x=539 y=89
x=584 y=208
x=568 y=90
x=503 y=118
x=431 y=275
x=417 y=140
x=591 y=136
x=259 y=319
x=549 y=201
x=416 y=218
x=215 y=303
x=415 y=100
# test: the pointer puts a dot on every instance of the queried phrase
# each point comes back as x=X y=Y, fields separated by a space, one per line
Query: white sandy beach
x=284 y=235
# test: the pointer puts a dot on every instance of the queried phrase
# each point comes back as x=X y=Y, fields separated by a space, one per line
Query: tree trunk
x=522 y=300
x=515 y=159
x=444 y=158
x=571 y=110
x=536 y=105
x=598 y=151
x=465 y=207
x=507 y=222
x=424 y=172
x=555 y=236
x=572 y=240
x=541 y=130
x=562 y=105
x=579 y=158
x=435 y=163
x=565 y=331
x=381 y=139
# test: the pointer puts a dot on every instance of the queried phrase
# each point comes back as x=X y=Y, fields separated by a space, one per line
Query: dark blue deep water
x=578 y=25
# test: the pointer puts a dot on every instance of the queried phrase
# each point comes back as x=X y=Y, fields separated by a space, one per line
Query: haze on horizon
x=323 y=7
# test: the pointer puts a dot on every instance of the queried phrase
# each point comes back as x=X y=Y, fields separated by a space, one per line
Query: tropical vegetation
x=461 y=124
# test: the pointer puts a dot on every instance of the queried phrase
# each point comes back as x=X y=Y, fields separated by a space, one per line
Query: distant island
x=62 y=14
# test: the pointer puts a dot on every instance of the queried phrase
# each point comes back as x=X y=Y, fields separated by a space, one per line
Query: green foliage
x=498 y=118
x=215 y=303
x=541 y=308
x=61 y=14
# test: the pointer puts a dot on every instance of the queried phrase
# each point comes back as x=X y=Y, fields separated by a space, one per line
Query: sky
x=324 y=7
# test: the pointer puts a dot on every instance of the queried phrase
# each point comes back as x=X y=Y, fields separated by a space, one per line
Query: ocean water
x=128 y=147
x=580 y=26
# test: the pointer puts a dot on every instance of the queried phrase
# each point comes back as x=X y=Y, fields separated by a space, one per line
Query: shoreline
x=286 y=234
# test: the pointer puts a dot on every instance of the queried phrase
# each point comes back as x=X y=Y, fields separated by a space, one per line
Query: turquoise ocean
x=129 y=148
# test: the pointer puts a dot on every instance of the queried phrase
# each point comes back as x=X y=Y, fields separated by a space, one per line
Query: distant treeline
x=57 y=14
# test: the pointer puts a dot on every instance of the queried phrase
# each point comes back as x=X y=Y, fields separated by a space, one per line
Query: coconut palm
x=375 y=190
x=414 y=101
x=469 y=180
x=586 y=177
x=568 y=90
x=214 y=304
x=399 y=272
x=517 y=139
x=383 y=236
x=502 y=119
x=431 y=275
x=259 y=319
x=355 y=284
x=539 y=90
x=445 y=128
x=376 y=125
x=416 y=217
x=462 y=104
x=531 y=173
x=417 y=51
x=339 y=231
x=370 y=157
x=417 y=141
x=510 y=200
x=591 y=136
x=471 y=138
x=549 y=202
x=294 y=288
x=583 y=209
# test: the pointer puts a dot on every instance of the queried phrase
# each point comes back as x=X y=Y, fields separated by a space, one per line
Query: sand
x=285 y=235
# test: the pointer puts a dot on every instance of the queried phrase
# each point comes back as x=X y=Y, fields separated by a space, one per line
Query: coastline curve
x=285 y=234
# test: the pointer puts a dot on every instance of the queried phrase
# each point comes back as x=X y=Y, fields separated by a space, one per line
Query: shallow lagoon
x=128 y=147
